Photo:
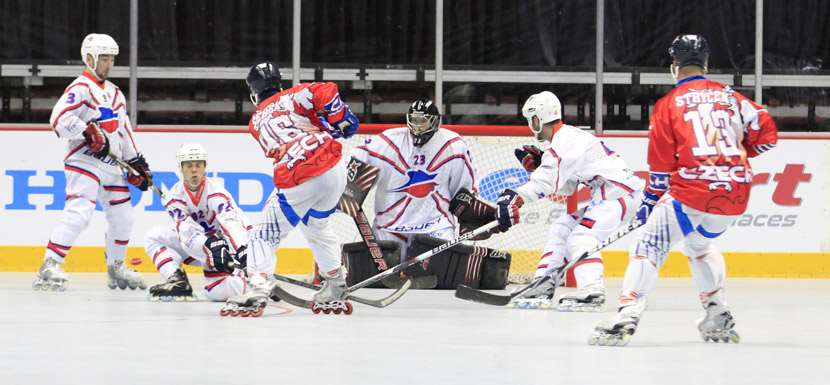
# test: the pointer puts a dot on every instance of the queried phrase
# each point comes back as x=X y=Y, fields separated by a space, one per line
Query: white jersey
x=578 y=157
x=208 y=211
x=86 y=100
x=415 y=184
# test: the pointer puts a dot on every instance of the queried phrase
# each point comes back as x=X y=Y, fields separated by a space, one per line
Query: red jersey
x=288 y=128
x=702 y=134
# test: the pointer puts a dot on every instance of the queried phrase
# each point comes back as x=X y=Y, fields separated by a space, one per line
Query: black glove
x=96 y=140
x=529 y=156
x=507 y=214
x=144 y=179
x=219 y=254
x=241 y=257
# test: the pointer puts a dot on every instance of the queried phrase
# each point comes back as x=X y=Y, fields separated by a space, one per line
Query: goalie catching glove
x=509 y=203
x=529 y=156
x=144 y=179
x=472 y=213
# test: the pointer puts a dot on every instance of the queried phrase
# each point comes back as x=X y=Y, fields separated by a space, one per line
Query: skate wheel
x=337 y=311
x=348 y=309
x=316 y=310
x=258 y=312
x=327 y=311
x=245 y=313
x=224 y=312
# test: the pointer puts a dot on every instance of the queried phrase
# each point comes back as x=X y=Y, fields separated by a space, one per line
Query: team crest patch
x=419 y=185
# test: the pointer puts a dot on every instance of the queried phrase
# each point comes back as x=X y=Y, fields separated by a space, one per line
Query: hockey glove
x=218 y=254
x=646 y=205
x=529 y=156
x=144 y=179
x=347 y=126
x=507 y=213
x=96 y=140
x=241 y=257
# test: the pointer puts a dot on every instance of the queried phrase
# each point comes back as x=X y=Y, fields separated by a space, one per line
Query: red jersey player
x=701 y=137
x=298 y=128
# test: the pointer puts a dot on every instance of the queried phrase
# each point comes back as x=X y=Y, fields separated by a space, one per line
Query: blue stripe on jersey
x=287 y=210
x=707 y=234
x=682 y=218
x=312 y=213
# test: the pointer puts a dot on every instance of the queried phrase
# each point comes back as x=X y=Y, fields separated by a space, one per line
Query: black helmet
x=263 y=81
x=688 y=50
x=423 y=120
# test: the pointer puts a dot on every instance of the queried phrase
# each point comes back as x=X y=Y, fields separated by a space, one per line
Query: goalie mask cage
x=496 y=168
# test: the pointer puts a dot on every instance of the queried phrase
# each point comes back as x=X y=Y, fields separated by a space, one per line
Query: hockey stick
x=126 y=167
x=423 y=256
x=469 y=294
x=297 y=301
x=359 y=179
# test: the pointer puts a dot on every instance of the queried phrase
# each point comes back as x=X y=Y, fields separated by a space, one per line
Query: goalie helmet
x=191 y=151
x=263 y=81
x=688 y=50
x=97 y=44
x=541 y=109
x=423 y=119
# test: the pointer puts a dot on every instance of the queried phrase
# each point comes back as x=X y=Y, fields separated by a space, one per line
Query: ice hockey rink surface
x=92 y=335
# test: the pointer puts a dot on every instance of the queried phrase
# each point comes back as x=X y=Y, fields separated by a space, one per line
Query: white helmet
x=540 y=109
x=96 y=44
x=191 y=151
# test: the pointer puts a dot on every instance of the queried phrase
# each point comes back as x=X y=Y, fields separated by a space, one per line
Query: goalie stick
x=359 y=179
x=469 y=294
x=299 y=302
x=126 y=167
x=423 y=256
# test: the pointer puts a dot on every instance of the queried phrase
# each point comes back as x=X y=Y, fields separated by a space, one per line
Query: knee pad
x=696 y=245
x=474 y=266
x=578 y=244
x=78 y=213
x=361 y=265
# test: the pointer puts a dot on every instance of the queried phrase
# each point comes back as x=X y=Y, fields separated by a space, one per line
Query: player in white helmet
x=208 y=230
x=575 y=157
x=92 y=116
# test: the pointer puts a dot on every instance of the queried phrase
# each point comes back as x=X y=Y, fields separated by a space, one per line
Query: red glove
x=96 y=140
x=530 y=156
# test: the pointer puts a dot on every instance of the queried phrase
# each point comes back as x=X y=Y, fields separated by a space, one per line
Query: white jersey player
x=422 y=167
x=91 y=115
x=208 y=228
x=298 y=128
x=574 y=157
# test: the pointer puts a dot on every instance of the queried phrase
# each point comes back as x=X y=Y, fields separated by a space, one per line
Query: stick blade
x=469 y=294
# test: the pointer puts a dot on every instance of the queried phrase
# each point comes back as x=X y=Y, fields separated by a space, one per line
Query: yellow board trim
x=91 y=259
x=299 y=261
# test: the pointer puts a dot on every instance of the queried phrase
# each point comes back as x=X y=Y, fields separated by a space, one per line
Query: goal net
x=496 y=169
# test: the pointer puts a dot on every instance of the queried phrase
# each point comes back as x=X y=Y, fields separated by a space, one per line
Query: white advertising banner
x=788 y=209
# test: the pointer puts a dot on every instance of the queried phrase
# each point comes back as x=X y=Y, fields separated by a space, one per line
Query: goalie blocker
x=475 y=266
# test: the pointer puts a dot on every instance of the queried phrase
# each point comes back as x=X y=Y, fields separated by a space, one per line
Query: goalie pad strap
x=474 y=266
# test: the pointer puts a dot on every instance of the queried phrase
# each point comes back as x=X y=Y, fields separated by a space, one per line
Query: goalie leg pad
x=359 y=262
x=473 y=266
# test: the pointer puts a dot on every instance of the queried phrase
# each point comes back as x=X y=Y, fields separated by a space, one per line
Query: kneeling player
x=208 y=229
x=419 y=169
x=574 y=157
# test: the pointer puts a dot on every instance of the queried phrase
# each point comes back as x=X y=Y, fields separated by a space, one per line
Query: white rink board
x=779 y=222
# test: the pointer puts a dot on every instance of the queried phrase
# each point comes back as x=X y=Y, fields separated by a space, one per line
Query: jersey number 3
x=713 y=132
